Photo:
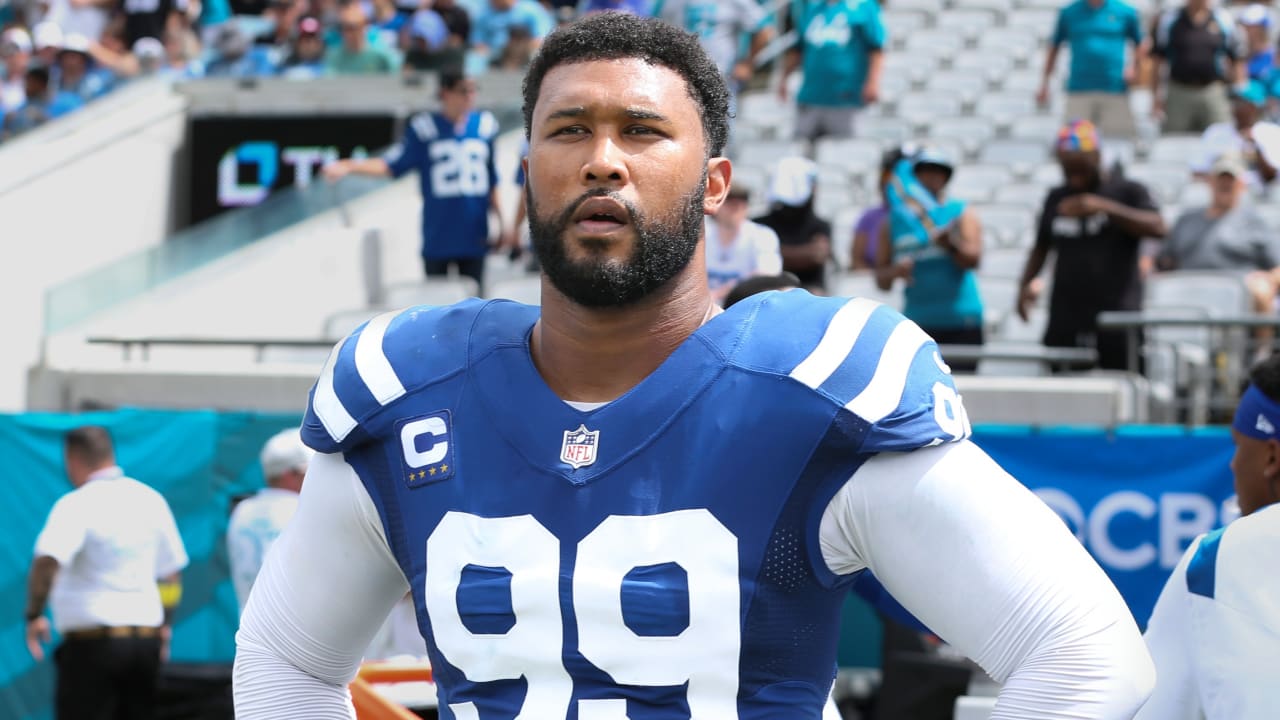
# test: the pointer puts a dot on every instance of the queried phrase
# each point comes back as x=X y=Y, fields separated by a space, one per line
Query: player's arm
x=964 y=241
x=993 y=571
x=1051 y=59
x=326 y=586
x=1177 y=695
x=374 y=166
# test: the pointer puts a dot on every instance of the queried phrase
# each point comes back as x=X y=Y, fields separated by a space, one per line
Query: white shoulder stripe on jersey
x=836 y=343
x=325 y=403
x=371 y=360
x=424 y=125
x=488 y=125
x=883 y=394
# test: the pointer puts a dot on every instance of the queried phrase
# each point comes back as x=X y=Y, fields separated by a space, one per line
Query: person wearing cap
x=1215 y=631
x=258 y=520
x=738 y=248
x=932 y=244
x=15 y=52
x=306 y=57
x=107 y=565
x=840 y=48
x=805 y=238
x=1100 y=34
x=1256 y=21
x=494 y=20
x=866 y=232
x=1095 y=221
x=1229 y=235
x=1200 y=49
x=1256 y=140
x=78 y=75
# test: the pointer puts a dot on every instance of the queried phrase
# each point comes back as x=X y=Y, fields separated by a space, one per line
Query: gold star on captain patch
x=421 y=474
x=432 y=471
x=444 y=468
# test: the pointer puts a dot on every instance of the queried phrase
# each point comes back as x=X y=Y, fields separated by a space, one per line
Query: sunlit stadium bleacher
x=154 y=264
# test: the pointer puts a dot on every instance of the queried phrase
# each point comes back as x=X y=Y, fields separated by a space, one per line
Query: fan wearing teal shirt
x=933 y=245
x=1099 y=33
x=840 y=50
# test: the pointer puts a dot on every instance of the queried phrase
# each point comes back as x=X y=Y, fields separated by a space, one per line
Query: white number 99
x=704 y=654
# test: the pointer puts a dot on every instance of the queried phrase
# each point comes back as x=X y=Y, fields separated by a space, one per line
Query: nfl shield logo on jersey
x=579 y=449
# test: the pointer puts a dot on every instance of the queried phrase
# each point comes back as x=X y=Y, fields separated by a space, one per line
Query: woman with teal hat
x=932 y=245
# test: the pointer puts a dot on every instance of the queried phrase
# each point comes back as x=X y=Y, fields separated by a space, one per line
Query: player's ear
x=719 y=173
x=524 y=168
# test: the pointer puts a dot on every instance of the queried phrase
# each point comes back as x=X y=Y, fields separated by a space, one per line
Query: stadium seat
x=767 y=153
x=992 y=64
x=977 y=183
x=1047 y=401
x=901 y=23
x=862 y=283
x=927 y=7
x=1017 y=42
x=1013 y=225
x=966 y=84
x=435 y=291
x=527 y=290
x=1165 y=180
x=970 y=132
x=1195 y=194
x=1040 y=128
x=999 y=7
x=340 y=324
x=1027 y=195
x=855 y=154
x=940 y=43
x=970 y=22
x=1014 y=152
x=1026 y=81
x=1174 y=149
x=1005 y=107
x=887 y=130
x=1003 y=263
x=1038 y=21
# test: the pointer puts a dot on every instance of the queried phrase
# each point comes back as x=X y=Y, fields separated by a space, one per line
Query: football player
x=1213 y=632
x=625 y=504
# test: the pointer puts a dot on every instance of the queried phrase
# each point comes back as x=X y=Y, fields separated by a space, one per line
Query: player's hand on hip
x=37 y=635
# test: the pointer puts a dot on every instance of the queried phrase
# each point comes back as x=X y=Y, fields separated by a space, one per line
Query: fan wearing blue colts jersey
x=625 y=504
x=453 y=152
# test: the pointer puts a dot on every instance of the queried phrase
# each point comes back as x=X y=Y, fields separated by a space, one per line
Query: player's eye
x=642 y=130
x=570 y=130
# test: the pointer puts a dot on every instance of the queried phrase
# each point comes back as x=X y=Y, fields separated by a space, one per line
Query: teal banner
x=199 y=460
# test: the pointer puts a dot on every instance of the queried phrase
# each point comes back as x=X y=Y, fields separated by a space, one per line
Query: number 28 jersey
x=456 y=169
x=657 y=557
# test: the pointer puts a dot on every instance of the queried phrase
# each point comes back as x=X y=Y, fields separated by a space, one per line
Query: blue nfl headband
x=1257 y=416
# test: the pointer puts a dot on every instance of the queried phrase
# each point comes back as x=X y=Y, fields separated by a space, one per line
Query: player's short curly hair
x=1266 y=377
x=616 y=36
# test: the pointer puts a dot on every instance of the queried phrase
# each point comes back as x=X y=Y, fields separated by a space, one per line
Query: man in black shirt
x=1094 y=221
x=805 y=238
x=1203 y=52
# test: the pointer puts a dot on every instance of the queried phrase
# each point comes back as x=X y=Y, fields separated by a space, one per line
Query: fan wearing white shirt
x=1215 y=630
x=97 y=562
x=738 y=248
x=1257 y=140
x=257 y=521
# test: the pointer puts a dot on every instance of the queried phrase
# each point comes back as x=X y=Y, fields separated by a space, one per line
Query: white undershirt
x=966 y=548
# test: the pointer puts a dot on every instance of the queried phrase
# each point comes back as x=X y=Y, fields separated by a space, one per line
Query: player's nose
x=605 y=164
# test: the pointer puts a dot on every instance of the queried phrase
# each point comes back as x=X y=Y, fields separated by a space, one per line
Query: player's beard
x=663 y=248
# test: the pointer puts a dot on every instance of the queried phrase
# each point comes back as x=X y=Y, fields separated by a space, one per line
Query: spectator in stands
x=1256 y=140
x=152 y=18
x=866 y=233
x=1099 y=33
x=720 y=25
x=306 y=58
x=1229 y=235
x=1201 y=50
x=492 y=25
x=356 y=55
x=635 y=7
x=452 y=150
x=932 y=245
x=36 y=108
x=426 y=43
x=781 y=282
x=1213 y=630
x=281 y=17
x=458 y=22
x=237 y=56
x=519 y=50
x=805 y=238
x=151 y=57
x=46 y=37
x=107 y=563
x=15 y=52
x=87 y=18
x=77 y=73
x=1095 y=222
x=1259 y=54
x=840 y=47
x=736 y=247
x=257 y=521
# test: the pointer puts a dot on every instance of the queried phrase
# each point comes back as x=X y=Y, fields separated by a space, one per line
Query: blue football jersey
x=656 y=557
x=456 y=170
